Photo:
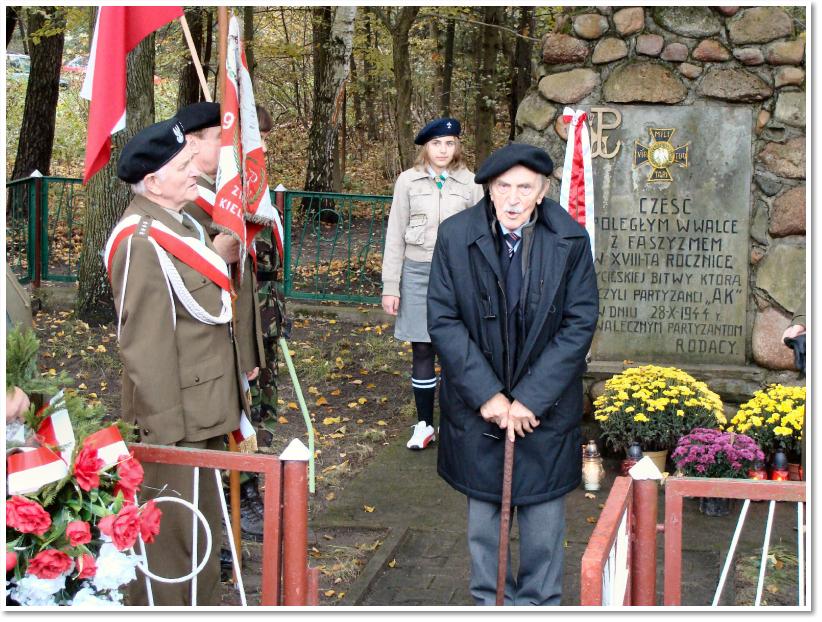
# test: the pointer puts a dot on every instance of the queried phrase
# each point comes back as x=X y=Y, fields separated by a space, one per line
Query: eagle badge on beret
x=178 y=132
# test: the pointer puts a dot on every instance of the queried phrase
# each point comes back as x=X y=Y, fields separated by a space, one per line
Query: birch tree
x=333 y=39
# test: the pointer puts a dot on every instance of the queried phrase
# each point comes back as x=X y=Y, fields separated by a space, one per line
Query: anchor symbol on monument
x=660 y=154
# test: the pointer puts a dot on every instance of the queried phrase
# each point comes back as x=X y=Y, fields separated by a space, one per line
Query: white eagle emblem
x=448 y=125
x=178 y=132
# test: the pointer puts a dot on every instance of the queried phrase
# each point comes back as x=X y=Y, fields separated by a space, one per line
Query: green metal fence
x=333 y=242
x=333 y=246
x=44 y=217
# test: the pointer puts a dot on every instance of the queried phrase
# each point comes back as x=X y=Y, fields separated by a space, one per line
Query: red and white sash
x=205 y=200
x=189 y=250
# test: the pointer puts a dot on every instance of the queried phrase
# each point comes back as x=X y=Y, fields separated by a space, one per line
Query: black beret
x=150 y=149
x=511 y=155
x=199 y=116
x=438 y=127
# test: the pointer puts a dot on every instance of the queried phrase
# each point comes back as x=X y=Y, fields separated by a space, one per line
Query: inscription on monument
x=672 y=254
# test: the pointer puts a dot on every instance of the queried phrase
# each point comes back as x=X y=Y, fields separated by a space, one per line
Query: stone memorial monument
x=672 y=219
x=697 y=120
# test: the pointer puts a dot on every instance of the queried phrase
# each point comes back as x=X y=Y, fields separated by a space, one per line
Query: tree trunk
x=448 y=69
x=371 y=128
x=42 y=92
x=521 y=67
x=208 y=35
x=11 y=23
x=23 y=36
x=248 y=39
x=400 y=27
x=333 y=53
x=190 y=90
x=296 y=82
x=107 y=195
x=486 y=93
x=357 y=98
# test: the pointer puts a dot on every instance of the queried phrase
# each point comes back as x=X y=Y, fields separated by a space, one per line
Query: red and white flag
x=576 y=194
x=109 y=445
x=229 y=204
x=119 y=29
x=260 y=211
x=32 y=468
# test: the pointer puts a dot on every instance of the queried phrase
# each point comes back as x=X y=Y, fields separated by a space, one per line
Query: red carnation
x=150 y=521
x=11 y=560
x=49 y=564
x=27 y=516
x=122 y=528
x=129 y=472
x=87 y=566
x=78 y=532
x=87 y=468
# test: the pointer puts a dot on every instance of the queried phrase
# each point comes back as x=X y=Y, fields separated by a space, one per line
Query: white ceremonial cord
x=125 y=283
x=192 y=306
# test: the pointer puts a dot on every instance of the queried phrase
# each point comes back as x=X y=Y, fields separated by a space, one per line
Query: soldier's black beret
x=150 y=149
x=511 y=155
x=199 y=116
x=438 y=127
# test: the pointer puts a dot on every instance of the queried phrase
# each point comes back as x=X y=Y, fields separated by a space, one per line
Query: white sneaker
x=422 y=435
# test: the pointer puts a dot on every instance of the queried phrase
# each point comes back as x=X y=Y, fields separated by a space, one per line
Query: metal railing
x=619 y=563
x=334 y=245
x=44 y=218
x=286 y=576
x=606 y=563
x=676 y=489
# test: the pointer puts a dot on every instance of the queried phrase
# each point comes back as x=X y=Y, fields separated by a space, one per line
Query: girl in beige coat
x=438 y=186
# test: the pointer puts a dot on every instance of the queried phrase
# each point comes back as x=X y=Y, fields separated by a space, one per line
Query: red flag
x=119 y=30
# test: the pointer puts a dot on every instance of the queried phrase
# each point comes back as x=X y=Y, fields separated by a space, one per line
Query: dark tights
x=422 y=360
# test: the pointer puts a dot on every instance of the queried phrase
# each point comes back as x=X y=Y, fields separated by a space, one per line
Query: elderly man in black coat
x=512 y=309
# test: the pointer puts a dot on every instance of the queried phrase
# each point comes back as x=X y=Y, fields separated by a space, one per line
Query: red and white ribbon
x=32 y=468
x=245 y=431
x=576 y=194
x=109 y=445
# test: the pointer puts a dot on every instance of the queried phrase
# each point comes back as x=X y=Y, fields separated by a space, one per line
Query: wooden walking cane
x=505 y=519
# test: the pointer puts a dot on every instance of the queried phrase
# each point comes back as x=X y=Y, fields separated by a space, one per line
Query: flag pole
x=195 y=57
x=233 y=476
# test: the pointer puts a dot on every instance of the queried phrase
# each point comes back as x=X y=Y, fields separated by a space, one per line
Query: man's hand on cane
x=521 y=420
x=495 y=410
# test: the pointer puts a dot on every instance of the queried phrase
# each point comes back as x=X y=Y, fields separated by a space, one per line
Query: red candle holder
x=758 y=473
x=780 y=475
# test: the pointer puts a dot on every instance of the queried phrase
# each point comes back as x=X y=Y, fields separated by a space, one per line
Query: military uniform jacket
x=248 y=330
x=180 y=383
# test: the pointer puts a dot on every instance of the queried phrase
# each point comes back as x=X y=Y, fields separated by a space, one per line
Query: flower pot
x=795 y=473
x=715 y=506
x=658 y=458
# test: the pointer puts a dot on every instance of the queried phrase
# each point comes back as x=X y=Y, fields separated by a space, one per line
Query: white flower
x=114 y=568
x=88 y=598
x=35 y=592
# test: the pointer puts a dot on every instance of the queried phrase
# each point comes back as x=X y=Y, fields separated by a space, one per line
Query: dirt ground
x=354 y=378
